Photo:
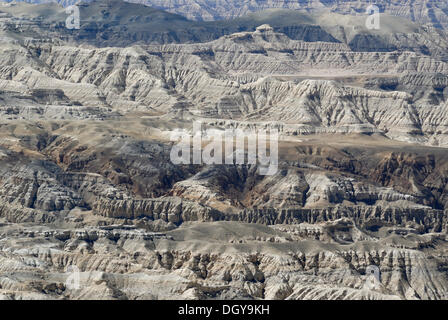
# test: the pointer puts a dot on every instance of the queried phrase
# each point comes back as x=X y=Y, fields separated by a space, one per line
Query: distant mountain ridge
x=118 y=23
x=421 y=11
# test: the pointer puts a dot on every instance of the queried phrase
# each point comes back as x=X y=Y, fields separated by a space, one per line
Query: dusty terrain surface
x=87 y=184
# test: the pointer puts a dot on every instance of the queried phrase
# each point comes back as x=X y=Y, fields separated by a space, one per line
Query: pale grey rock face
x=422 y=11
x=283 y=267
x=86 y=179
x=156 y=78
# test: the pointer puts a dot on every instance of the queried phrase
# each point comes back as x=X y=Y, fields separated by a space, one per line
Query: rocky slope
x=87 y=184
x=219 y=261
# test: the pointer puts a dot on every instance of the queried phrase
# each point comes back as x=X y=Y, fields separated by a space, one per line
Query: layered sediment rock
x=88 y=187
x=173 y=210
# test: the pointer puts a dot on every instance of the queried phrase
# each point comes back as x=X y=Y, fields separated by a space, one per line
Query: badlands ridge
x=86 y=179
